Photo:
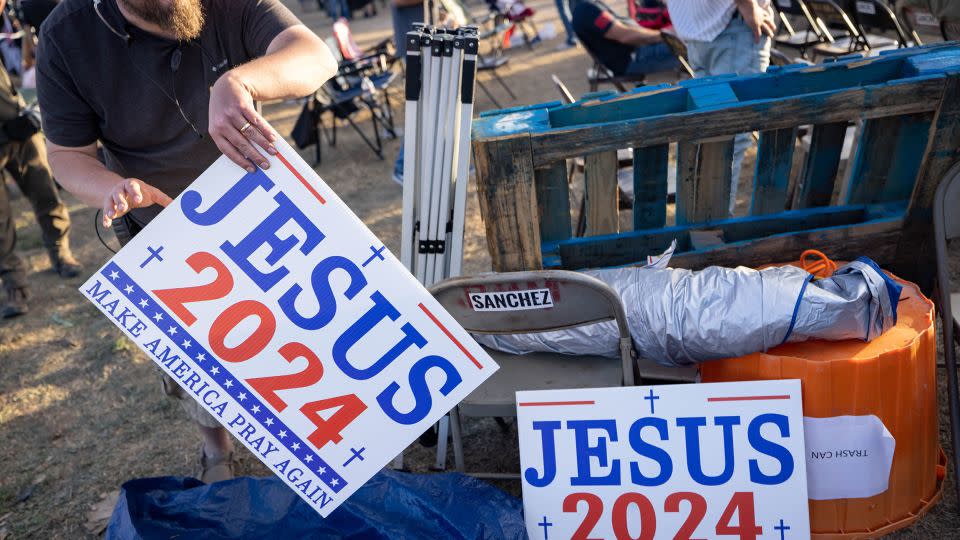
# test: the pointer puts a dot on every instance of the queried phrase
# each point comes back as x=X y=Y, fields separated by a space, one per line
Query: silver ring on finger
x=245 y=127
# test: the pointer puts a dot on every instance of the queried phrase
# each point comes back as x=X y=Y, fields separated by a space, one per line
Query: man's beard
x=182 y=18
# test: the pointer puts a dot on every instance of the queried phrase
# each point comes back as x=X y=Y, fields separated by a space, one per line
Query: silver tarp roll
x=681 y=317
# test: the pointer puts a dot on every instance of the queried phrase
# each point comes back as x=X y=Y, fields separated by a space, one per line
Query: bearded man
x=165 y=86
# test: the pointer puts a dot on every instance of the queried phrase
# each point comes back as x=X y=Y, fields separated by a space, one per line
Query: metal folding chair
x=577 y=300
x=946 y=226
x=878 y=15
x=802 y=39
x=842 y=35
x=601 y=74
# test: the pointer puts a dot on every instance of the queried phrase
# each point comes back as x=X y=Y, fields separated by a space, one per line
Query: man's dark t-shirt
x=96 y=85
x=591 y=20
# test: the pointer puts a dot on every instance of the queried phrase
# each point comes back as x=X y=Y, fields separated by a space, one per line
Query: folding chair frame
x=946 y=226
x=447 y=293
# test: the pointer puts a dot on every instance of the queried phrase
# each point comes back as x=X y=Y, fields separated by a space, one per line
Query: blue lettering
x=581 y=431
x=324 y=293
x=381 y=309
x=548 y=437
x=648 y=450
x=96 y=294
x=423 y=402
x=691 y=426
x=770 y=448
x=191 y=200
x=266 y=234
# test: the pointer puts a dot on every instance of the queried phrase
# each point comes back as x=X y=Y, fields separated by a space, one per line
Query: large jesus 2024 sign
x=271 y=304
x=682 y=461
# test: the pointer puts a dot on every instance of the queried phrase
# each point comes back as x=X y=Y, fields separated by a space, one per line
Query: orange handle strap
x=821 y=266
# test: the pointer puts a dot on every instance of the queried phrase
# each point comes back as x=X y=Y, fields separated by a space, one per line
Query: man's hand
x=758 y=19
x=234 y=123
x=130 y=194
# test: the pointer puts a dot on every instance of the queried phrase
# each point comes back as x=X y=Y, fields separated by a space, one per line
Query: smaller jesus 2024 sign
x=274 y=307
x=721 y=460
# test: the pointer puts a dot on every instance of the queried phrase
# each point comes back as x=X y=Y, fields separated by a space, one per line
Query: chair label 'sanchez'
x=512 y=300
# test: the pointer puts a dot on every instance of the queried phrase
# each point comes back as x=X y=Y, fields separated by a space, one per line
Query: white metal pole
x=451 y=132
x=468 y=75
x=437 y=176
x=410 y=147
x=429 y=130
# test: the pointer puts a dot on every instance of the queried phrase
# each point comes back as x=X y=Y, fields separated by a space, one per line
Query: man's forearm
x=296 y=64
x=82 y=174
x=633 y=36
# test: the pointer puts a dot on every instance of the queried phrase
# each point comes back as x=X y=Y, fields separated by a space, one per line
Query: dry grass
x=81 y=409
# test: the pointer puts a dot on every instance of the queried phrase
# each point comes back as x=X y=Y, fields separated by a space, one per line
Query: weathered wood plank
x=600 y=192
x=820 y=167
x=553 y=202
x=894 y=98
x=876 y=238
x=652 y=102
x=771 y=178
x=626 y=248
x=913 y=257
x=508 y=202
x=888 y=158
x=650 y=186
x=703 y=181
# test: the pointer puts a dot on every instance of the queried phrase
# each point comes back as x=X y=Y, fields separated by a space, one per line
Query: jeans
x=337 y=9
x=564 y=8
x=652 y=59
x=26 y=162
x=733 y=51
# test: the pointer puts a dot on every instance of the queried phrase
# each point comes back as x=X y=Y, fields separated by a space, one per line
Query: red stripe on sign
x=554 y=403
x=301 y=178
x=747 y=398
x=449 y=335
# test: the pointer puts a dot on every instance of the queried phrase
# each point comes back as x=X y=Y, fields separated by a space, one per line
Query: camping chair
x=601 y=74
x=351 y=90
x=382 y=54
x=946 y=226
x=793 y=39
x=518 y=20
x=878 y=15
x=578 y=300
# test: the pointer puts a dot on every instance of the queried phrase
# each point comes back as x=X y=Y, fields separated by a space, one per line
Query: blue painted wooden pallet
x=903 y=105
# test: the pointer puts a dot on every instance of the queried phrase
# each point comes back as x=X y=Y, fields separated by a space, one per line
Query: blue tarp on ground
x=391 y=505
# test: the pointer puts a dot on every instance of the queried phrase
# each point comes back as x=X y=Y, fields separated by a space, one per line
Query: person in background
x=339 y=8
x=947 y=11
x=23 y=156
x=619 y=43
x=726 y=36
x=652 y=14
x=165 y=87
x=563 y=7
x=404 y=13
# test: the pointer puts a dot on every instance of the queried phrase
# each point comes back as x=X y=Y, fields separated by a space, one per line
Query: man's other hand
x=235 y=124
x=758 y=19
x=130 y=194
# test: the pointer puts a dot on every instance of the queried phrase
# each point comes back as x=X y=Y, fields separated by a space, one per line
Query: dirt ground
x=80 y=407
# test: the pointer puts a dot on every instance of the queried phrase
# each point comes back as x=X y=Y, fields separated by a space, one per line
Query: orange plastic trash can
x=892 y=377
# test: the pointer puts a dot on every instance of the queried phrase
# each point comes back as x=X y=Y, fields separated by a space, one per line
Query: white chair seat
x=537 y=371
x=547 y=371
x=797 y=39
